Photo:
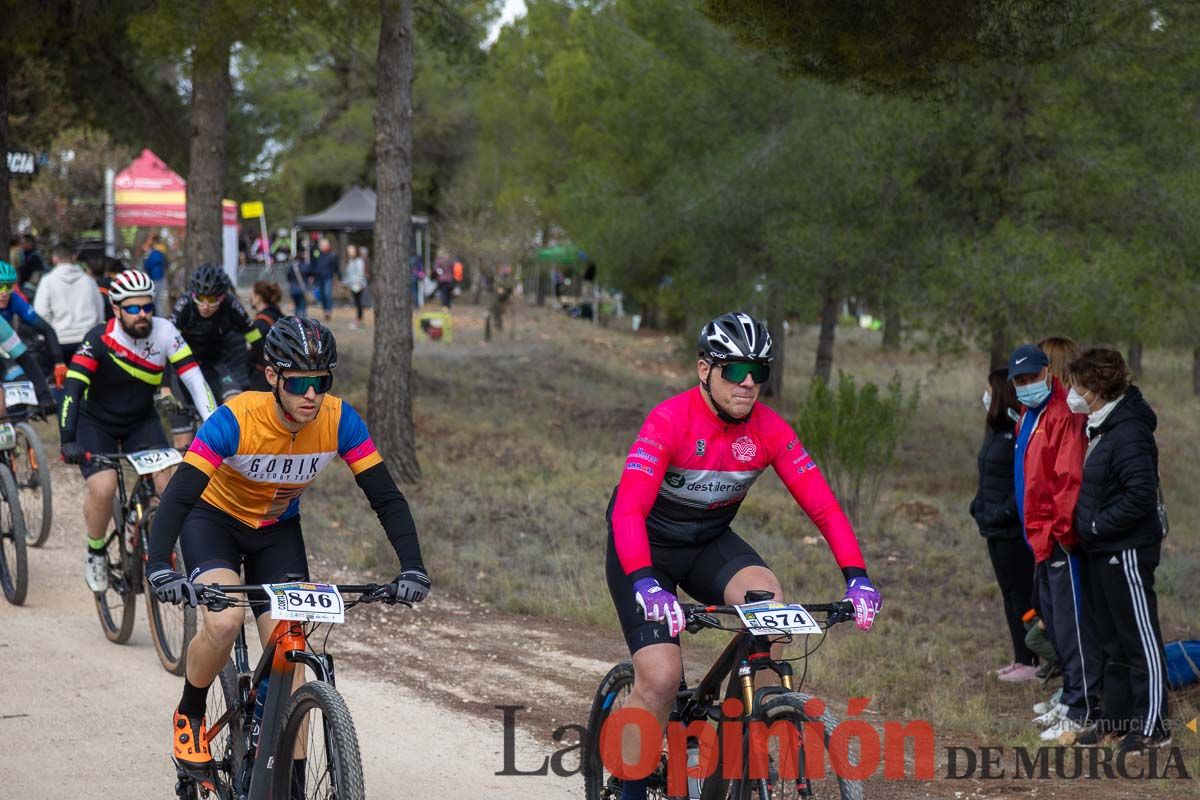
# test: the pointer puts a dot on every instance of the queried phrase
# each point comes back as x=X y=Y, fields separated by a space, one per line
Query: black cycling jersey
x=210 y=337
x=113 y=377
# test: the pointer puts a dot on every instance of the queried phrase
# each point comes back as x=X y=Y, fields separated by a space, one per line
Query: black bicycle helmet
x=208 y=280
x=301 y=344
x=735 y=336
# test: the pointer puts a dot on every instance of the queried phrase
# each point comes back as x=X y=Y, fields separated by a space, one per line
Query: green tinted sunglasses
x=736 y=372
x=301 y=385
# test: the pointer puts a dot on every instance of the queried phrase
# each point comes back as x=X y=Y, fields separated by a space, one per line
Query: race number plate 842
x=306 y=602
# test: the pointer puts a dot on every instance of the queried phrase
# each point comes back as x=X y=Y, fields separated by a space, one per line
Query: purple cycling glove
x=866 y=600
x=658 y=605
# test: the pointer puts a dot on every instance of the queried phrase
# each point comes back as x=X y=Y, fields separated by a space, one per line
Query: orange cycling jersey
x=258 y=469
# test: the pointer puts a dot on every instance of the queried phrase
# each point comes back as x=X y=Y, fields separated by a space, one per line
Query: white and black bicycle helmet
x=735 y=336
x=130 y=283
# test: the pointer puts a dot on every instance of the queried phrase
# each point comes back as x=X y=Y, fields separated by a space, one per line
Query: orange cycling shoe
x=191 y=744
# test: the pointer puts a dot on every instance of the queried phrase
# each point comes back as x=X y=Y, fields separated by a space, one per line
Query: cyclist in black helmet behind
x=218 y=329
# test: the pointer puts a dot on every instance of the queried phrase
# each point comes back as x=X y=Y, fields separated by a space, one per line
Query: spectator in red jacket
x=1048 y=471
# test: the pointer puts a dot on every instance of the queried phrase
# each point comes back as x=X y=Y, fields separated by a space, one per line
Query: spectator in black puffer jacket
x=995 y=511
x=1120 y=532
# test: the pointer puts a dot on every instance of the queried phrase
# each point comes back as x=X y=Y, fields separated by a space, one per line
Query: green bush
x=853 y=432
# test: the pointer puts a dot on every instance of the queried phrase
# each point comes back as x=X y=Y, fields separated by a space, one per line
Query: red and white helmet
x=130 y=283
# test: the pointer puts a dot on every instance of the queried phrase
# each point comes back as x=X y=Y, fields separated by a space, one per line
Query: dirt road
x=81 y=717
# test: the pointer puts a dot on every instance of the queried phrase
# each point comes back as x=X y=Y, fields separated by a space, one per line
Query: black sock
x=194 y=700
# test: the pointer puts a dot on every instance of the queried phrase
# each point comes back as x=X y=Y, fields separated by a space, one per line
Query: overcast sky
x=512 y=9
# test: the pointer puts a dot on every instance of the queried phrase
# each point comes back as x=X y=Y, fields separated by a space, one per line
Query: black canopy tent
x=354 y=211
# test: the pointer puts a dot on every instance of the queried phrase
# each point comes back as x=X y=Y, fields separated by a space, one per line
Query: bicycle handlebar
x=215 y=596
x=697 y=615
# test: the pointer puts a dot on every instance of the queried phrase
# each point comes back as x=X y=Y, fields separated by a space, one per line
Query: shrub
x=852 y=432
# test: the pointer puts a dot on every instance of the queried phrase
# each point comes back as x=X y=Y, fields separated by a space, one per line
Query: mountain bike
x=14 y=568
x=26 y=457
x=760 y=623
x=128 y=547
x=267 y=738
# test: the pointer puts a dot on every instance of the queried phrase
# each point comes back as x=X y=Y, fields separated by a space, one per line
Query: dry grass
x=521 y=442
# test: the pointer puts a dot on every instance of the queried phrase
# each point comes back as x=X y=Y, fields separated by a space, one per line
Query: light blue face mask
x=1033 y=395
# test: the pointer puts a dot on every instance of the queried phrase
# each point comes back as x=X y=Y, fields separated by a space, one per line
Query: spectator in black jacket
x=995 y=511
x=1120 y=532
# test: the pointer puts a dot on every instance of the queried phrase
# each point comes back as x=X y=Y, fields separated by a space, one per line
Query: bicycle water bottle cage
x=758 y=595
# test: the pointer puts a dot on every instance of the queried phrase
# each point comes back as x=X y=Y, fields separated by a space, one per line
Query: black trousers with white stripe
x=1121 y=588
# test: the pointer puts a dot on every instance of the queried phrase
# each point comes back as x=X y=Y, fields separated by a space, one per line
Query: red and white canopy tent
x=148 y=194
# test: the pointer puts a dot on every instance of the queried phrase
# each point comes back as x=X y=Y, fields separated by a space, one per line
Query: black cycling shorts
x=703 y=570
x=212 y=539
x=144 y=435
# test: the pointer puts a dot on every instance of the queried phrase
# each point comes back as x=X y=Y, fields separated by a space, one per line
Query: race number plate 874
x=306 y=602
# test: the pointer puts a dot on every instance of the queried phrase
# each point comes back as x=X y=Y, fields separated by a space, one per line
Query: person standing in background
x=1061 y=351
x=995 y=512
x=355 y=278
x=1048 y=470
x=154 y=264
x=443 y=272
x=264 y=299
x=69 y=299
x=299 y=277
x=324 y=270
x=1121 y=529
x=31 y=266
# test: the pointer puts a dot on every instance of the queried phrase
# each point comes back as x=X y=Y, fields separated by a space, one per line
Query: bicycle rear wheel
x=228 y=745
x=599 y=783
x=318 y=722
x=32 y=472
x=788 y=780
x=14 y=569
x=171 y=626
x=117 y=606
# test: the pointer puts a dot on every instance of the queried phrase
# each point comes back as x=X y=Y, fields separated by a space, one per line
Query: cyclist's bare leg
x=162 y=478
x=657 y=670
x=97 y=505
x=210 y=649
x=749 y=579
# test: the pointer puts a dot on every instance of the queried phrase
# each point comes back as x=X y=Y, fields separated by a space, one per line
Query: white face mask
x=987 y=400
x=1077 y=403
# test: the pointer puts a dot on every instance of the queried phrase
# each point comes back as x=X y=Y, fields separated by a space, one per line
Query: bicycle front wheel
x=317 y=728
x=32 y=472
x=14 y=570
x=599 y=783
x=787 y=779
x=117 y=605
x=171 y=626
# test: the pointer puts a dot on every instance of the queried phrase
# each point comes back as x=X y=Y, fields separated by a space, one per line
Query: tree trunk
x=891 y=328
x=209 y=142
x=5 y=197
x=389 y=393
x=1135 y=357
x=829 y=318
x=1196 y=371
x=774 y=387
x=1000 y=350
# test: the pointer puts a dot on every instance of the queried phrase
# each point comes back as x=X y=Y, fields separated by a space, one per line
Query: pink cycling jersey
x=687 y=473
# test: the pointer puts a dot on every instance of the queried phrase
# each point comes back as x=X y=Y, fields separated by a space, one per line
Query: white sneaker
x=95 y=571
x=1064 y=725
x=1050 y=717
x=1046 y=705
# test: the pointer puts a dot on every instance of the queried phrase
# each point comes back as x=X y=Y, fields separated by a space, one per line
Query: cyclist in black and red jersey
x=692 y=464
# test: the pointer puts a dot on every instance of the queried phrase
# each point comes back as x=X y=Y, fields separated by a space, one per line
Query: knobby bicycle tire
x=117 y=606
x=14 y=567
x=171 y=626
x=228 y=747
x=32 y=471
x=344 y=764
x=598 y=784
x=784 y=707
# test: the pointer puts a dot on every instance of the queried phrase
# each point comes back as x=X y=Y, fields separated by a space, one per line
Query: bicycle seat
x=758 y=595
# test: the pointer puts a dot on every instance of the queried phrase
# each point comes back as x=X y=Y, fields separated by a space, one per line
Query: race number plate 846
x=306 y=602
x=770 y=617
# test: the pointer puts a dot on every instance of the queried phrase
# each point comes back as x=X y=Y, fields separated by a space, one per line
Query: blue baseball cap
x=1028 y=359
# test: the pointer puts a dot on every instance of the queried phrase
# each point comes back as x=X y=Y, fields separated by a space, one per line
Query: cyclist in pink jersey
x=693 y=462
